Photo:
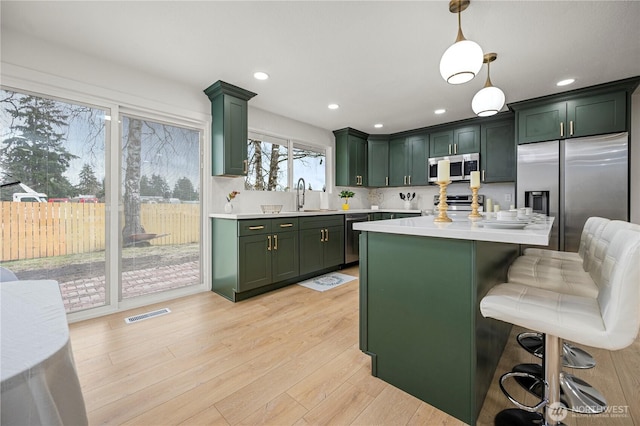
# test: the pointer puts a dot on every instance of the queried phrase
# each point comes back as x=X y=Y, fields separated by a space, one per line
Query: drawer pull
x=322 y=235
x=275 y=242
x=286 y=225
x=255 y=228
x=326 y=238
x=269 y=246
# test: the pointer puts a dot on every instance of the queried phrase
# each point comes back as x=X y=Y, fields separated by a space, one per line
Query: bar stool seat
x=610 y=321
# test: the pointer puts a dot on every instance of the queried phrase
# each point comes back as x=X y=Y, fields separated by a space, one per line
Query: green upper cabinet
x=441 y=143
x=417 y=150
x=351 y=157
x=498 y=153
x=229 y=128
x=466 y=140
x=378 y=160
x=597 y=114
x=397 y=162
x=408 y=160
x=457 y=140
x=577 y=115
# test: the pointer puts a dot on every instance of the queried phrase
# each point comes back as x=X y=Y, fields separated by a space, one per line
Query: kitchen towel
x=327 y=281
x=324 y=201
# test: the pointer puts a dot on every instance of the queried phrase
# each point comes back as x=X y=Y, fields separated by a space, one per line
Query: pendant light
x=463 y=59
x=490 y=99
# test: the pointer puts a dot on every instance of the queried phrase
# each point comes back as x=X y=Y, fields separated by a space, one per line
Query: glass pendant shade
x=461 y=62
x=488 y=101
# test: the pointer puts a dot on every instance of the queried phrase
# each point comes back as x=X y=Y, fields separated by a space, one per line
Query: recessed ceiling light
x=566 y=82
x=378 y=126
x=440 y=111
x=260 y=75
x=333 y=106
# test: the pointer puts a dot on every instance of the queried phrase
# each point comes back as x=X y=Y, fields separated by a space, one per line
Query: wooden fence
x=33 y=230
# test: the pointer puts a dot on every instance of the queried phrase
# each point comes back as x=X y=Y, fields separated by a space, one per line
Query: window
x=53 y=150
x=309 y=163
x=271 y=159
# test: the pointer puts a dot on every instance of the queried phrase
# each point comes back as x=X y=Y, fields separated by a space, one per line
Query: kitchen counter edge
x=424 y=226
x=306 y=213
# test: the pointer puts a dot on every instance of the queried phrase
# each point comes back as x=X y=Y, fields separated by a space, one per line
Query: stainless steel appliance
x=352 y=237
x=573 y=179
x=458 y=203
x=460 y=166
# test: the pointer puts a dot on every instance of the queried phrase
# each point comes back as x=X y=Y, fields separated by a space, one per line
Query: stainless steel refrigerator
x=573 y=179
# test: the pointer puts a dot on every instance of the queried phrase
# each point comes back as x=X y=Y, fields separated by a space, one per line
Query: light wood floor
x=289 y=357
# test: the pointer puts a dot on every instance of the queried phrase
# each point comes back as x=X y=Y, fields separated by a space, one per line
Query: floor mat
x=327 y=281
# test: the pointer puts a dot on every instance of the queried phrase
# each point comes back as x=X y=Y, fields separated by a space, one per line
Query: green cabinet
x=466 y=140
x=250 y=254
x=457 y=140
x=378 y=161
x=408 y=160
x=228 y=129
x=441 y=143
x=498 y=151
x=577 y=116
x=268 y=252
x=351 y=157
x=391 y=215
x=321 y=242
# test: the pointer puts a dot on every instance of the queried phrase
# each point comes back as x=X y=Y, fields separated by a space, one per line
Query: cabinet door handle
x=269 y=246
x=409 y=179
x=322 y=235
x=386 y=181
x=571 y=128
x=255 y=228
x=449 y=149
x=404 y=181
x=483 y=175
x=326 y=238
x=455 y=148
x=562 y=128
x=275 y=242
x=286 y=225
x=245 y=168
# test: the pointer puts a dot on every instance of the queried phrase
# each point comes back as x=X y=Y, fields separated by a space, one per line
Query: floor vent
x=148 y=315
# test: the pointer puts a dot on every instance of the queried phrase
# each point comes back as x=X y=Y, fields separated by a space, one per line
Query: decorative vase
x=228 y=207
x=345 y=206
x=407 y=205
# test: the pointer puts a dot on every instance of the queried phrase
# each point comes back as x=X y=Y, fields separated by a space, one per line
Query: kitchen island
x=420 y=287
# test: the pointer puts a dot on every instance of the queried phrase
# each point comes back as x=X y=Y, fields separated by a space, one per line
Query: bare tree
x=133 y=147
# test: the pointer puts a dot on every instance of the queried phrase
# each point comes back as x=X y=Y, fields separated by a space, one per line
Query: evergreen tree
x=184 y=190
x=159 y=186
x=35 y=153
x=88 y=182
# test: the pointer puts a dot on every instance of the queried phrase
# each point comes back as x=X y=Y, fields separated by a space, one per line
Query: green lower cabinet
x=420 y=319
x=255 y=262
x=251 y=255
x=285 y=262
x=321 y=243
x=321 y=248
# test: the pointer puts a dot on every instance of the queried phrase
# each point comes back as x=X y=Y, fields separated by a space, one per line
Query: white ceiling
x=378 y=60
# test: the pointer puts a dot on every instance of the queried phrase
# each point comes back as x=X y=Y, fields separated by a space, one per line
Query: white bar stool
x=610 y=321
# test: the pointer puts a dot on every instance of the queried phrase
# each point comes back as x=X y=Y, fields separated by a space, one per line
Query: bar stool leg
x=554 y=410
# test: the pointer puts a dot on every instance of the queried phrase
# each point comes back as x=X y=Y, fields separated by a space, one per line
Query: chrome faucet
x=299 y=204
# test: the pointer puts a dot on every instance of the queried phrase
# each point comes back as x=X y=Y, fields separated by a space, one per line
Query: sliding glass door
x=160 y=224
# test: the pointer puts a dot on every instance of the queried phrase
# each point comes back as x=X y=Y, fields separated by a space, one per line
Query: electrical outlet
x=507 y=197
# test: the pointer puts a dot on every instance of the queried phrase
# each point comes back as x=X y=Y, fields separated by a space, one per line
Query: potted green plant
x=345 y=195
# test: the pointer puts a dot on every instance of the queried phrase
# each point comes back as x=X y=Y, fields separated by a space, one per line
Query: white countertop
x=424 y=226
x=259 y=215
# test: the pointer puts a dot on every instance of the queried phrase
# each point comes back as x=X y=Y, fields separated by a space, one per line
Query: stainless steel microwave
x=460 y=166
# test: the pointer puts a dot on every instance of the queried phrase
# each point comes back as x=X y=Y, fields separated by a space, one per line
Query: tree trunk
x=132 y=223
x=274 y=167
x=258 y=161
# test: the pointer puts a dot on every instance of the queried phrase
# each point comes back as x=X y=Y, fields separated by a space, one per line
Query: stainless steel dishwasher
x=351 y=236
